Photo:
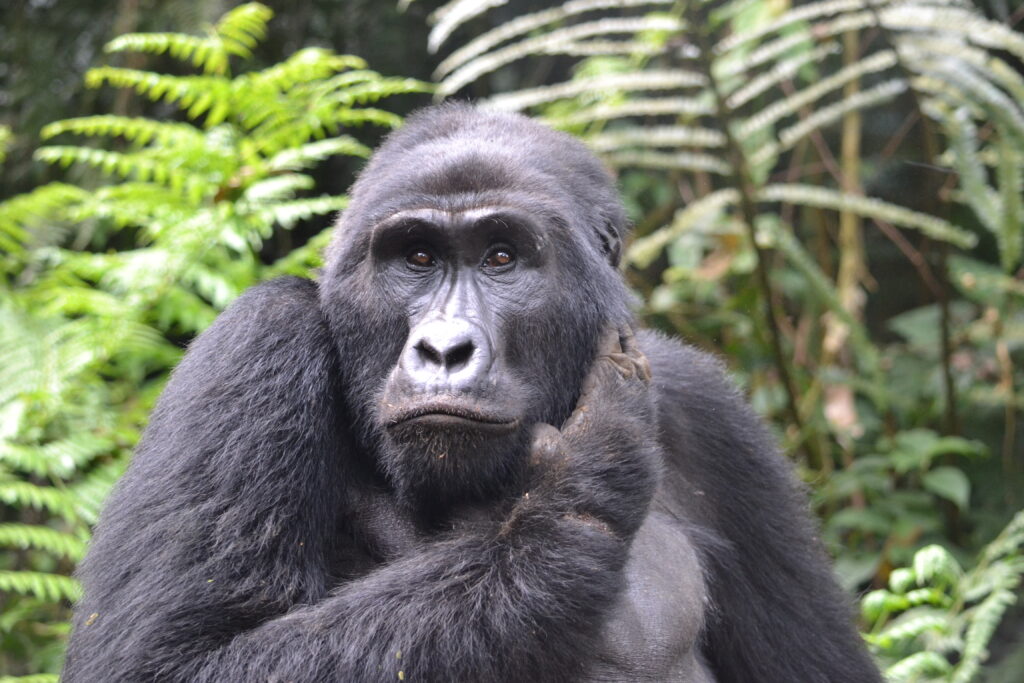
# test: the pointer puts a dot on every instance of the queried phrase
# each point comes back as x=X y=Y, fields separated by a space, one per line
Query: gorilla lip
x=451 y=416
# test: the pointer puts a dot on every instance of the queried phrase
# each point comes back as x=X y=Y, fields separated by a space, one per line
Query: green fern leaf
x=304 y=156
x=25 y=494
x=809 y=195
x=243 y=28
x=918 y=666
x=26 y=536
x=287 y=214
x=138 y=130
x=51 y=587
x=32 y=678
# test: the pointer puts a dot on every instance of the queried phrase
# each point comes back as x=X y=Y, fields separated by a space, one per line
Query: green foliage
x=934 y=621
x=100 y=277
x=891 y=493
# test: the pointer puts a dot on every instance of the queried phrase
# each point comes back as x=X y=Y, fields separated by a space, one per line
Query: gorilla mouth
x=448 y=416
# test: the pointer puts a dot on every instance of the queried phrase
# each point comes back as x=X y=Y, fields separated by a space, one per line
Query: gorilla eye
x=499 y=258
x=419 y=258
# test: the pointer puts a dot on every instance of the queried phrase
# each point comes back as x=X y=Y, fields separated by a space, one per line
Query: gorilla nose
x=452 y=353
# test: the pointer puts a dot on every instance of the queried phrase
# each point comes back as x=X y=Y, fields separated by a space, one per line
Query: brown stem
x=951 y=421
x=743 y=182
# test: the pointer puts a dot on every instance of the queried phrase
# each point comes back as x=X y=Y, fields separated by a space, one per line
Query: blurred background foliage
x=828 y=194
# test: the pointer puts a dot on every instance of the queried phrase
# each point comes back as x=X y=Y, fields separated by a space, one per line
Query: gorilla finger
x=627 y=338
x=545 y=443
x=609 y=342
x=624 y=364
x=632 y=349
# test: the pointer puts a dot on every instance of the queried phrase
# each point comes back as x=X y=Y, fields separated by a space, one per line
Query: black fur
x=289 y=517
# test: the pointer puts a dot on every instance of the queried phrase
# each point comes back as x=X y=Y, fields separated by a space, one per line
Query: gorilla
x=450 y=458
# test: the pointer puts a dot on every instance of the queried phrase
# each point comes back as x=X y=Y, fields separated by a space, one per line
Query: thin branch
x=743 y=183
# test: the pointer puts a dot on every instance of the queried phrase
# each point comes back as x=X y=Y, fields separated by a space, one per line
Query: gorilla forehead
x=454 y=157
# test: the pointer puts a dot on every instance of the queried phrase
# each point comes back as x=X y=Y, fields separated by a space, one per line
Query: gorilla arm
x=214 y=559
x=776 y=613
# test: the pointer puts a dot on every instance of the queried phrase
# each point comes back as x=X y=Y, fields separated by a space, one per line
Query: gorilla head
x=460 y=257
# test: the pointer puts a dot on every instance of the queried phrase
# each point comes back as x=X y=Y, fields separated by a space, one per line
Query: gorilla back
x=451 y=459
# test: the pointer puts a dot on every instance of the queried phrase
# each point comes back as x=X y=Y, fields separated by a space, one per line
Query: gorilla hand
x=602 y=465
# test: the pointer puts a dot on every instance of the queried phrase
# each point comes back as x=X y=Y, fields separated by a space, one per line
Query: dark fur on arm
x=777 y=614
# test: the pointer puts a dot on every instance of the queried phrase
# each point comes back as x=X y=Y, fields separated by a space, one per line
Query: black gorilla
x=358 y=479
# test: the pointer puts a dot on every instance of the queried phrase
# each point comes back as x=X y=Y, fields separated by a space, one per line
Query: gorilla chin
x=447 y=450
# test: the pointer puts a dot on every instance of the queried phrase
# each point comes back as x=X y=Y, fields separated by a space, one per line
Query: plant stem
x=744 y=184
x=929 y=139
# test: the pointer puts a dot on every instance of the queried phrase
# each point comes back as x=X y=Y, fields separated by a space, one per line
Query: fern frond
x=657 y=136
x=977 y=193
x=778 y=48
x=867 y=207
x=705 y=210
x=524 y=24
x=880 y=61
x=90 y=492
x=141 y=166
x=983 y=621
x=377 y=89
x=798 y=15
x=558 y=41
x=917 y=666
x=309 y=65
x=32 y=678
x=59 y=458
x=683 y=161
x=925 y=49
x=1009 y=541
x=24 y=494
x=632 y=82
x=934 y=564
x=28 y=219
x=684 y=107
x=287 y=214
x=826 y=116
x=955 y=20
x=202 y=52
x=50 y=587
x=276 y=188
x=450 y=16
x=304 y=156
x=235 y=34
x=960 y=84
x=781 y=71
x=194 y=94
x=134 y=129
x=912 y=625
x=242 y=28
x=35 y=537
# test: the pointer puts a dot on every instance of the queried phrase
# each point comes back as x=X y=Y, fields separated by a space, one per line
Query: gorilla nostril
x=459 y=356
x=429 y=353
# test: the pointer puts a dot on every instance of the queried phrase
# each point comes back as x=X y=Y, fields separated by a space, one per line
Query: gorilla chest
x=653 y=630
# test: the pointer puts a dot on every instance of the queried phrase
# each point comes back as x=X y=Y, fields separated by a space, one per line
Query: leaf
x=949 y=483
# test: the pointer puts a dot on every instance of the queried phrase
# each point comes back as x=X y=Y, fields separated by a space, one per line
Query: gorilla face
x=465 y=268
